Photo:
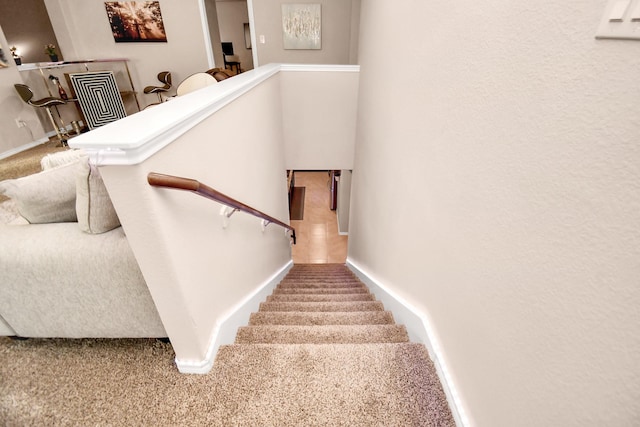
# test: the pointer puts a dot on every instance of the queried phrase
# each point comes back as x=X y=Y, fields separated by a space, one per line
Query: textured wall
x=319 y=119
x=12 y=107
x=496 y=187
x=336 y=34
x=27 y=26
x=83 y=31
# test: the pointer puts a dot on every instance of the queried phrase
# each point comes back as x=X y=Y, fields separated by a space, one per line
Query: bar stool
x=164 y=77
x=26 y=94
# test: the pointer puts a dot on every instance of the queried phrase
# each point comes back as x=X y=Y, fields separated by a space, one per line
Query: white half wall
x=229 y=136
x=196 y=269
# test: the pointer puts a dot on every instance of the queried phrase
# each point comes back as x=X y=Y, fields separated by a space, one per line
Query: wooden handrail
x=179 y=183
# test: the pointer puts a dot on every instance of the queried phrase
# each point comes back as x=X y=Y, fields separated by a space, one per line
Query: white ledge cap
x=135 y=138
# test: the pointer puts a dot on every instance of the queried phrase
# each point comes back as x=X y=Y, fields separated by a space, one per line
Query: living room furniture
x=165 y=78
x=36 y=75
x=230 y=59
x=67 y=268
x=220 y=74
x=26 y=94
x=194 y=82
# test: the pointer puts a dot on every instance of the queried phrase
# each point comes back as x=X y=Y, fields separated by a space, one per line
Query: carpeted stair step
x=322 y=306
x=307 y=276
x=319 y=267
x=321 y=318
x=327 y=385
x=321 y=281
x=323 y=352
x=317 y=275
x=329 y=334
x=353 y=290
x=320 y=297
x=323 y=284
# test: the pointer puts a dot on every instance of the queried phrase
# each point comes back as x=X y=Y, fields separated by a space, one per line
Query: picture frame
x=302 y=26
x=136 y=21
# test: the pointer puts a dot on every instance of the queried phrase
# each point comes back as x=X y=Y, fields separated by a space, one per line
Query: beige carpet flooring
x=319 y=352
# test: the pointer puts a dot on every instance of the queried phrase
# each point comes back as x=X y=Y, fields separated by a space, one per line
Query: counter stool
x=26 y=94
x=164 y=77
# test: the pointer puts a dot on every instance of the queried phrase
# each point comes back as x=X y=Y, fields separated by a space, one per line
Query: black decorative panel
x=99 y=98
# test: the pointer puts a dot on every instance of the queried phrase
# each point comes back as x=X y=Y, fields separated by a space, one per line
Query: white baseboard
x=420 y=330
x=226 y=329
x=22 y=148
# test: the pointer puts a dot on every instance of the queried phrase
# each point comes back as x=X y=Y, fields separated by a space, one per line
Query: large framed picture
x=136 y=21
x=302 y=26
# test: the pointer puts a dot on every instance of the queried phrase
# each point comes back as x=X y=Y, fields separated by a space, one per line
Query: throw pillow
x=47 y=196
x=94 y=208
x=60 y=158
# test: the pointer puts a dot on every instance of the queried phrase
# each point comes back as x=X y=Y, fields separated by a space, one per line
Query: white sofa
x=66 y=267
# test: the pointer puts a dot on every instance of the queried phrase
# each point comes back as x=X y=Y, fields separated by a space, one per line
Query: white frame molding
x=252 y=29
x=207 y=33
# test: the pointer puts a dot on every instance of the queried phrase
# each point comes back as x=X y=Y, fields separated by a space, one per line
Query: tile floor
x=318 y=241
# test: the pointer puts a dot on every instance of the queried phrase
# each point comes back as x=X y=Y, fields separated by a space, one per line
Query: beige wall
x=319 y=118
x=84 y=28
x=26 y=25
x=13 y=138
x=232 y=16
x=336 y=34
x=496 y=188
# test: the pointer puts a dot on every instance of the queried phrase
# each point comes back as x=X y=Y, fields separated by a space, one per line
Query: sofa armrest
x=60 y=282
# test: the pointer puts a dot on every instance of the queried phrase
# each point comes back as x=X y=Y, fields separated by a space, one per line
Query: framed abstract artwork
x=136 y=21
x=302 y=26
x=99 y=97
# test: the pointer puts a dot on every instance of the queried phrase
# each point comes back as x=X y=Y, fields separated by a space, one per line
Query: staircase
x=321 y=351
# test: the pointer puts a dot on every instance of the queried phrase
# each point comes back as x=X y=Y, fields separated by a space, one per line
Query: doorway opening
x=319 y=237
x=229 y=29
